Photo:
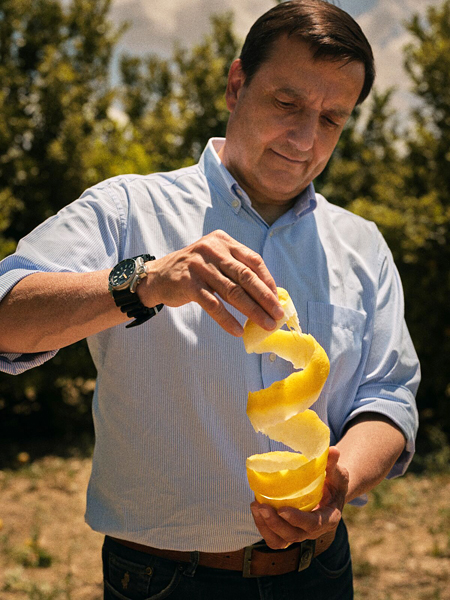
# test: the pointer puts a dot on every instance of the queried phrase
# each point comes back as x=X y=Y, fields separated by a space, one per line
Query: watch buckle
x=140 y=273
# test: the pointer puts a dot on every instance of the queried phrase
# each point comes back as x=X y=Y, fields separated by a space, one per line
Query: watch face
x=121 y=273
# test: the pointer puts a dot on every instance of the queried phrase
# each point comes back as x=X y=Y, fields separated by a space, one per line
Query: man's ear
x=236 y=79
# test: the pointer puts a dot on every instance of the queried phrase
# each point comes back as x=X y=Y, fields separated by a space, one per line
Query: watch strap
x=142 y=314
x=129 y=302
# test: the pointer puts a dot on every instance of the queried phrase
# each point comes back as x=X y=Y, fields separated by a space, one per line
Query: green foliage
x=54 y=91
x=54 y=98
x=33 y=554
x=401 y=180
x=176 y=106
x=428 y=62
x=57 y=137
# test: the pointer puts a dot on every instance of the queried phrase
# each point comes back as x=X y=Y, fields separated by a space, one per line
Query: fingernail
x=278 y=312
x=269 y=323
x=283 y=513
x=238 y=330
x=264 y=513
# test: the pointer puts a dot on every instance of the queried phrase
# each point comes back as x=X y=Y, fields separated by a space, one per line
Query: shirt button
x=235 y=203
x=270 y=233
x=272 y=357
x=239 y=192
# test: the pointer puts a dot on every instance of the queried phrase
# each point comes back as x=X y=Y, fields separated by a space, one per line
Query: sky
x=156 y=24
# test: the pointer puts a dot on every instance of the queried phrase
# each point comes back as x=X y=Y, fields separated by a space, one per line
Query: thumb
x=336 y=482
x=333 y=458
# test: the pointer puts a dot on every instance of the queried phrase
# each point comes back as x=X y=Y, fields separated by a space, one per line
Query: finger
x=207 y=276
x=333 y=458
x=314 y=523
x=248 y=257
x=272 y=539
x=254 y=261
x=279 y=526
x=234 y=293
x=215 y=308
x=222 y=263
x=206 y=282
x=336 y=482
x=214 y=269
x=260 y=287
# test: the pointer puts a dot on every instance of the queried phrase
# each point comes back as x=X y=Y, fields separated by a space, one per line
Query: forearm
x=369 y=450
x=46 y=311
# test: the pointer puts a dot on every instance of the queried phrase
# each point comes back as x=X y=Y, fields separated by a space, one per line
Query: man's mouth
x=290 y=159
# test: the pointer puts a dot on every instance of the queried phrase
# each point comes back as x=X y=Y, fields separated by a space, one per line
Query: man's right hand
x=46 y=311
x=213 y=268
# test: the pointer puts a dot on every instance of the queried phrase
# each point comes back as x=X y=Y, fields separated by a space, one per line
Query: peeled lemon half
x=281 y=412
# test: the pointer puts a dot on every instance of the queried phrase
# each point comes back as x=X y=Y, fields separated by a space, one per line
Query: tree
x=54 y=100
x=54 y=93
x=401 y=180
x=176 y=106
x=427 y=61
x=58 y=138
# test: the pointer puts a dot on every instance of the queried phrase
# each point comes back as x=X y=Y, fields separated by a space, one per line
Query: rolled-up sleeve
x=392 y=372
x=84 y=236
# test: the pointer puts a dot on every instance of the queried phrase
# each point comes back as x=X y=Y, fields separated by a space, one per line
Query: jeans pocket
x=129 y=580
x=126 y=579
x=335 y=561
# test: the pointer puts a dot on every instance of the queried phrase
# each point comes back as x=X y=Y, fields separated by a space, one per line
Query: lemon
x=255 y=335
x=305 y=500
x=291 y=472
x=282 y=412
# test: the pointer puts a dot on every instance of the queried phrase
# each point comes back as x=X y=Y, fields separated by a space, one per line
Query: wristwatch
x=123 y=281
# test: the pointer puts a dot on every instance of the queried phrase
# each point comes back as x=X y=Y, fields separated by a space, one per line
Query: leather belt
x=257 y=560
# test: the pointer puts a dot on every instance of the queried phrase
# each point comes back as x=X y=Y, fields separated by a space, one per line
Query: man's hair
x=330 y=32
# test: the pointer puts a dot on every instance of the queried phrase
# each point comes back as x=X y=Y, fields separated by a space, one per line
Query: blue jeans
x=133 y=575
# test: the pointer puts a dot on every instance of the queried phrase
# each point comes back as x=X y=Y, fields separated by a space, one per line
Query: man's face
x=285 y=124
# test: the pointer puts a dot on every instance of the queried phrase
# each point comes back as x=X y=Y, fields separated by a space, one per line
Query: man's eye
x=282 y=104
x=329 y=122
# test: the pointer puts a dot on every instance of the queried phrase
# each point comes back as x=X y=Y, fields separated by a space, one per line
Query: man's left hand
x=288 y=525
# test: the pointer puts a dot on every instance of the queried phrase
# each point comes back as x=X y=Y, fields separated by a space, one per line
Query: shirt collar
x=215 y=170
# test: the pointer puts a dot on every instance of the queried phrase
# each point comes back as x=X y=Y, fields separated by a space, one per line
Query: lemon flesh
x=254 y=335
x=281 y=412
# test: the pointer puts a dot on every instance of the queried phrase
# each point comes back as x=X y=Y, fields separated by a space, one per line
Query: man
x=168 y=485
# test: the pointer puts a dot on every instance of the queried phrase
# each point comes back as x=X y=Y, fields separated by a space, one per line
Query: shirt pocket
x=340 y=331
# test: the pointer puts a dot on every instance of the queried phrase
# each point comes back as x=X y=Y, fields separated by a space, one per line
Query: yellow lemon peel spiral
x=281 y=412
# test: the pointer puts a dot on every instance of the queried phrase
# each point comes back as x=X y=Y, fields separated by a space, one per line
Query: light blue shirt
x=169 y=407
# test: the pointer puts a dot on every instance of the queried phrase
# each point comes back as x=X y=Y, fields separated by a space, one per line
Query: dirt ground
x=400 y=540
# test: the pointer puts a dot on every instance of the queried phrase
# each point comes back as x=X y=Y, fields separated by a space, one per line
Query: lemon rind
x=282 y=411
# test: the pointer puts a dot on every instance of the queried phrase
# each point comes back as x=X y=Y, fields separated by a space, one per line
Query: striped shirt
x=172 y=435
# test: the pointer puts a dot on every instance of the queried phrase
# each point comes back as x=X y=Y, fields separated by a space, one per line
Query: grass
x=400 y=540
x=17 y=583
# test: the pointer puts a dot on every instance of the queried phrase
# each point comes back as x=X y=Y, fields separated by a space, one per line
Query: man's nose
x=302 y=133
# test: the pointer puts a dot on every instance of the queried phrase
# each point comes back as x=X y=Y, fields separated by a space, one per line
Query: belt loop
x=307 y=549
x=192 y=567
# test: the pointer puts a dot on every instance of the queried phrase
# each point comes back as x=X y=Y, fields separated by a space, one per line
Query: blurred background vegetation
x=64 y=127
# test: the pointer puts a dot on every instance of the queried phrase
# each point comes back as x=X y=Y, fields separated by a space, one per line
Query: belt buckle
x=248 y=559
x=307 y=548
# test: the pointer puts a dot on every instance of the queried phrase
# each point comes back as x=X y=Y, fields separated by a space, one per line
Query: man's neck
x=271 y=212
x=267 y=210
